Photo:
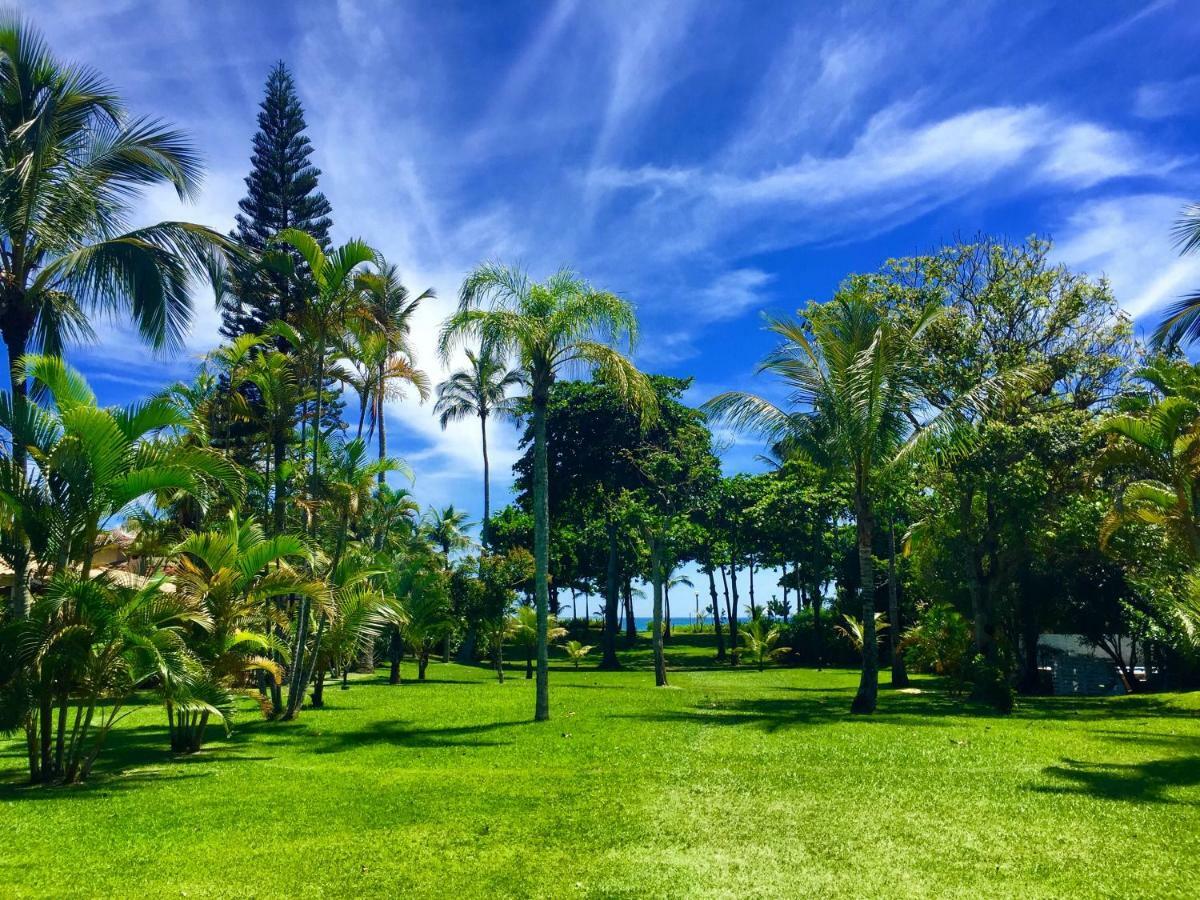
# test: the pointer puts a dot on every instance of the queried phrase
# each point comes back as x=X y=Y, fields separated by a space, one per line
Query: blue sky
x=707 y=160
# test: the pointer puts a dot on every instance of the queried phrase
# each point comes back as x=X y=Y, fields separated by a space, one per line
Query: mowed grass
x=729 y=783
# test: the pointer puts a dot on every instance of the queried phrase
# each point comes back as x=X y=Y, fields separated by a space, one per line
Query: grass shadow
x=1144 y=782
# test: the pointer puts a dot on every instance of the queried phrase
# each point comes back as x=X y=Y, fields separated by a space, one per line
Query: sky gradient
x=705 y=160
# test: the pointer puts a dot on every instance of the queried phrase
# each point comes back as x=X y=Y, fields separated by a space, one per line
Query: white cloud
x=1164 y=99
x=912 y=165
x=1128 y=240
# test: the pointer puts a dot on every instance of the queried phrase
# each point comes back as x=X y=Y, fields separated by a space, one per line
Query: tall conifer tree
x=281 y=192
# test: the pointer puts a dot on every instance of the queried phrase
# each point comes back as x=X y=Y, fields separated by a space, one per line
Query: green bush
x=940 y=643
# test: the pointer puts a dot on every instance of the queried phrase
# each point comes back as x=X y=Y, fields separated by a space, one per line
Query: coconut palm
x=550 y=327
x=760 y=639
x=238 y=577
x=851 y=628
x=72 y=162
x=1182 y=322
x=1161 y=444
x=526 y=633
x=576 y=651
x=479 y=391
x=853 y=370
x=446 y=530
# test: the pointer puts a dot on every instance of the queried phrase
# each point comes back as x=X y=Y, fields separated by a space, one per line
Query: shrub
x=940 y=643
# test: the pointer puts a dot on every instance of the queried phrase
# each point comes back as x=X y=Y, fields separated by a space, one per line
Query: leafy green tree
x=549 y=327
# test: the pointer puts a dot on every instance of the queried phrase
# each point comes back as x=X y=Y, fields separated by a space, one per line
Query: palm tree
x=236 y=576
x=423 y=596
x=71 y=163
x=278 y=395
x=88 y=464
x=672 y=578
x=1182 y=322
x=852 y=630
x=337 y=300
x=388 y=357
x=576 y=651
x=549 y=327
x=1161 y=444
x=525 y=631
x=761 y=640
x=90 y=643
x=853 y=370
x=480 y=390
x=446 y=530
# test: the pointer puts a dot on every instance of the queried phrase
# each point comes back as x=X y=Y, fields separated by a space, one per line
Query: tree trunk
x=394 y=653
x=716 y=608
x=666 y=612
x=15 y=339
x=528 y=666
x=487 y=489
x=733 y=614
x=868 y=685
x=610 y=660
x=381 y=478
x=656 y=577
x=899 y=674
x=631 y=631
x=541 y=562
x=422 y=664
x=318 y=694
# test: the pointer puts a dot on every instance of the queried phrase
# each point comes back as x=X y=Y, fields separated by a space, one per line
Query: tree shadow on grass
x=405 y=734
x=803 y=706
x=1145 y=782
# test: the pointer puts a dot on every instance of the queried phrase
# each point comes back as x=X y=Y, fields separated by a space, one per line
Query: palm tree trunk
x=716 y=608
x=656 y=577
x=487 y=488
x=15 y=339
x=631 y=631
x=868 y=685
x=541 y=562
x=610 y=660
x=382 y=436
x=394 y=651
x=899 y=674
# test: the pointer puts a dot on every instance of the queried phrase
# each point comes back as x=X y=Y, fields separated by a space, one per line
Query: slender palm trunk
x=298 y=677
x=541 y=562
x=610 y=660
x=382 y=426
x=868 y=685
x=656 y=577
x=15 y=340
x=899 y=674
x=487 y=482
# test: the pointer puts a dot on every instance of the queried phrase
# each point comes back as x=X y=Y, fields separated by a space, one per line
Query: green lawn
x=729 y=783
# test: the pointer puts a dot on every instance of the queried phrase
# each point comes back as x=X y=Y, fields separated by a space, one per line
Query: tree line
x=969 y=448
